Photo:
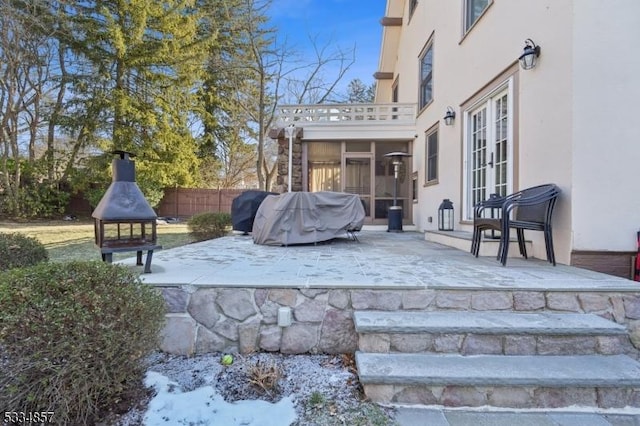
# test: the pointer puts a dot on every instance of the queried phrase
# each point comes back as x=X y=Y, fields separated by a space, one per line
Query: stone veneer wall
x=282 y=177
x=205 y=320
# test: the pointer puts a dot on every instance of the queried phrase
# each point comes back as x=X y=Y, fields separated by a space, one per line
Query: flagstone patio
x=380 y=260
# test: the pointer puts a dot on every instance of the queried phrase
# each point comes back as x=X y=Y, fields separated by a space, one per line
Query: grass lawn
x=67 y=241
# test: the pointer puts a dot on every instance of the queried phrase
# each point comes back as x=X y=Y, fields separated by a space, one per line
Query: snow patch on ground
x=204 y=406
x=318 y=390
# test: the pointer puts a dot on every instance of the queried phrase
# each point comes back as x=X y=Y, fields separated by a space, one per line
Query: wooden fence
x=185 y=202
x=177 y=202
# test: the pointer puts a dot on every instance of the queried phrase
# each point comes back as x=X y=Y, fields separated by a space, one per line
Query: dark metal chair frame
x=528 y=209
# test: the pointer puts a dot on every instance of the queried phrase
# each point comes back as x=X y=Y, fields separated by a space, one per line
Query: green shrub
x=17 y=250
x=205 y=226
x=35 y=201
x=74 y=337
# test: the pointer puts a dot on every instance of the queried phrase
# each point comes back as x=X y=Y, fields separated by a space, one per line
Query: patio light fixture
x=449 y=116
x=530 y=55
x=395 y=212
x=445 y=215
x=290 y=130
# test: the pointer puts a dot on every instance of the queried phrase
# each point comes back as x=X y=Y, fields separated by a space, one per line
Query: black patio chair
x=480 y=223
x=529 y=209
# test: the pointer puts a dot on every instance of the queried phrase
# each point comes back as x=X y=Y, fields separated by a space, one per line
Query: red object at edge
x=636 y=275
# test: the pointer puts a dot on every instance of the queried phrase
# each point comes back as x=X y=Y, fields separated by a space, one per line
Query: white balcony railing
x=395 y=113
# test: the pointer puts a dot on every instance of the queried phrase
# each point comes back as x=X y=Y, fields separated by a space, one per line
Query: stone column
x=283 y=158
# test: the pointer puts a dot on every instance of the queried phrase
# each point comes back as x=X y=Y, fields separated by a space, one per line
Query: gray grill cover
x=306 y=217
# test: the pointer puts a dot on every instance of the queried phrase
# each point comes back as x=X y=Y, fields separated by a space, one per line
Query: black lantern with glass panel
x=445 y=215
x=530 y=55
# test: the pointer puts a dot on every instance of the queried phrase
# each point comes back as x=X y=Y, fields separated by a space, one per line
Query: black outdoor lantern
x=445 y=215
x=530 y=55
x=449 y=116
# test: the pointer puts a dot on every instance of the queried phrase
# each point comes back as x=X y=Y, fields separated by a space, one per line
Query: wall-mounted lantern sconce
x=449 y=116
x=530 y=55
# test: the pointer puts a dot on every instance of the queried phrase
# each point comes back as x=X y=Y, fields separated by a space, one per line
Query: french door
x=489 y=149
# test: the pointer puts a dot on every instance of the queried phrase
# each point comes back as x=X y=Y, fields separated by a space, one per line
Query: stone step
x=461 y=240
x=503 y=381
x=497 y=333
x=484 y=323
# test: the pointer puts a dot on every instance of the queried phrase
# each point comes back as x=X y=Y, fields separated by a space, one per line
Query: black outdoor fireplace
x=124 y=220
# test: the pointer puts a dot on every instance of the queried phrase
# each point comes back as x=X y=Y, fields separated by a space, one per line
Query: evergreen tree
x=142 y=59
x=237 y=97
x=358 y=92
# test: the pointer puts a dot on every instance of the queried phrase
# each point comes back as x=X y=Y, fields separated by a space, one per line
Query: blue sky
x=341 y=22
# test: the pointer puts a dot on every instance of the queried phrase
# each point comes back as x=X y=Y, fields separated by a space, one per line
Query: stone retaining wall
x=204 y=320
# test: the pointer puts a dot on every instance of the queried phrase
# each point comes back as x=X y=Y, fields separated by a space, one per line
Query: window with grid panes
x=432 y=157
x=426 y=76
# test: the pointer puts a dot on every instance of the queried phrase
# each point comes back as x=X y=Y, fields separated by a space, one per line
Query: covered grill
x=244 y=208
x=124 y=220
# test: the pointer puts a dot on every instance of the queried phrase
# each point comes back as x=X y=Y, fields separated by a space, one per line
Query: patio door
x=489 y=162
x=358 y=178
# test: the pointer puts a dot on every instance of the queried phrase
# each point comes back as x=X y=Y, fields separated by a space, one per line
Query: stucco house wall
x=572 y=119
x=573 y=114
x=606 y=125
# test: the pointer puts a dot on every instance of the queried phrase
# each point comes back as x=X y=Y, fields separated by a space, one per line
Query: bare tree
x=314 y=79
x=280 y=74
x=238 y=159
x=25 y=52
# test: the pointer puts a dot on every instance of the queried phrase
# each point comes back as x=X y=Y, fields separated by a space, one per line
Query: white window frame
x=504 y=87
x=466 y=6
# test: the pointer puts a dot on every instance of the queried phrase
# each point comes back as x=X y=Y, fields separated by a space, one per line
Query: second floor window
x=426 y=76
x=412 y=6
x=473 y=9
